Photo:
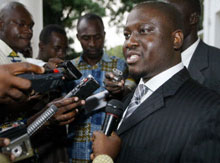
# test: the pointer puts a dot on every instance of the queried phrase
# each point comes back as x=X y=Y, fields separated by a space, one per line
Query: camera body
x=20 y=145
x=52 y=79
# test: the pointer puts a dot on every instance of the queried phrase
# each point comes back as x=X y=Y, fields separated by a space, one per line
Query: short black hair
x=194 y=5
x=90 y=16
x=48 y=30
x=170 y=12
x=191 y=5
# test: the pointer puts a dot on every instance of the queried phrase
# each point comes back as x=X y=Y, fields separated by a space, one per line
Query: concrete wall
x=35 y=7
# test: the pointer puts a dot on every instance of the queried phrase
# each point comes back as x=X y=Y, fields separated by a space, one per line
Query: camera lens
x=17 y=151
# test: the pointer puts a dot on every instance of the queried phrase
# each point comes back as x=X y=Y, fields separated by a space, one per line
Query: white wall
x=211 y=22
x=35 y=7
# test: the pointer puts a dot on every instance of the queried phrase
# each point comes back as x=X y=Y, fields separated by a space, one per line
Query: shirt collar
x=5 y=48
x=154 y=83
x=187 y=54
x=105 y=58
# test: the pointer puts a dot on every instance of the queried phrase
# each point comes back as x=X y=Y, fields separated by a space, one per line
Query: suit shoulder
x=200 y=91
x=213 y=51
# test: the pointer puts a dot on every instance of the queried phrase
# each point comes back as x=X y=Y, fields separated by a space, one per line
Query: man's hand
x=4 y=142
x=53 y=63
x=67 y=110
x=108 y=145
x=114 y=87
x=12 y=88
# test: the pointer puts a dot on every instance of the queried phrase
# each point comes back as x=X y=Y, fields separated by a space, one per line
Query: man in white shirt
x=15 y=32
x=201 y=60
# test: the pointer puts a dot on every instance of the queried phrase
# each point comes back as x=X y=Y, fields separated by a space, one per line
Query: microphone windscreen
x=114 y=107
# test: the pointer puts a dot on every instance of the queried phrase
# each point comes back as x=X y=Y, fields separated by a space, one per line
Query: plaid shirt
x=81 y=130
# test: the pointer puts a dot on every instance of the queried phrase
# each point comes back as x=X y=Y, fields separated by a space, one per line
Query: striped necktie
x=140 y=91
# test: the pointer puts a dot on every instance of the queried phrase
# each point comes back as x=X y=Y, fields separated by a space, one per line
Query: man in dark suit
x=177 y=119
x=201 y=60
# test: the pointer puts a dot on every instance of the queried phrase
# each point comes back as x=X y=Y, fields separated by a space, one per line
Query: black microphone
x=114 y=112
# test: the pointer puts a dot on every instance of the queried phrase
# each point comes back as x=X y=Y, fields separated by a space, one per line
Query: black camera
x=53 y=78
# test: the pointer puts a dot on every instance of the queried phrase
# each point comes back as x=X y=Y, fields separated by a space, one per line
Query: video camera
x=20 y=145
x=52 y=78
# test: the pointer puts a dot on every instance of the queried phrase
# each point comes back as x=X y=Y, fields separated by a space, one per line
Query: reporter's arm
x=115 y=88
x=13 y=88
x=67 y=110
x=119 y=89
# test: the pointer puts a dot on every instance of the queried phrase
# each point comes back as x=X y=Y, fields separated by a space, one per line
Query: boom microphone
x=114 y=112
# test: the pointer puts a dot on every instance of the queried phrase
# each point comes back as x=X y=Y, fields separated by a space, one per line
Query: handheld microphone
x=114 y=112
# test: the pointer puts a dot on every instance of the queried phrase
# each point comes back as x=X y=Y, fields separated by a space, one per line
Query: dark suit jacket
x=179 y=122
x=204 y=66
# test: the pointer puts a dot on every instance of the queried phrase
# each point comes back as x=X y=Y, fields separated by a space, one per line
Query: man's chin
x=94 y=52
x=94 y=55
x=23 y=45
x=136 y=74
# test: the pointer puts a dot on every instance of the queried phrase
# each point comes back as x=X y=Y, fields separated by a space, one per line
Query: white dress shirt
x=154 y=83
x=187 y=54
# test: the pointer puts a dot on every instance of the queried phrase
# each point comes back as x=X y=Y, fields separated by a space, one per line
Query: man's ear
x=194 y=18
x=41 y=46
x=177 y=39
x=1 y=24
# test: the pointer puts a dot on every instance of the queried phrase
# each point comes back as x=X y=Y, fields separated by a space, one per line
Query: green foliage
x=116 y=51
x=117 y=14
x=65 y=12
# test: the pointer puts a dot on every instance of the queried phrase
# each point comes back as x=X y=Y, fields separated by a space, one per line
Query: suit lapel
x=199 y=62
x=155 y=102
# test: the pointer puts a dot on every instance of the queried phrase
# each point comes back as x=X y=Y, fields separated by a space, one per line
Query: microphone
x=114 y=112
